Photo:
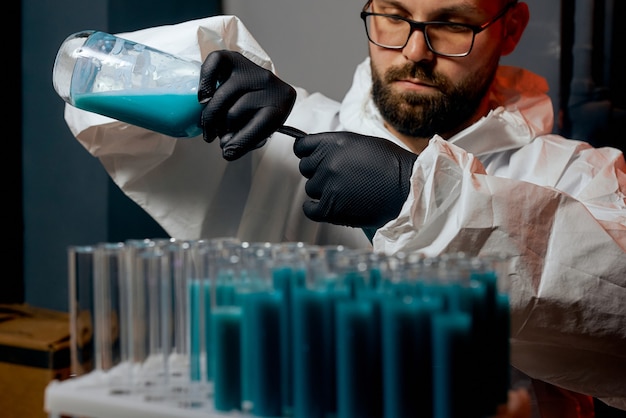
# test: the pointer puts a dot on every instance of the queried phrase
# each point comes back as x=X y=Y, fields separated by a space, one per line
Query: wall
x=316 y=45
x=64 y=198
x=68 y=198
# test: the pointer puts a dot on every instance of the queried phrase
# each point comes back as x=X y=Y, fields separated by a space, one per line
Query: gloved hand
x=354 y=180
x=245 y=102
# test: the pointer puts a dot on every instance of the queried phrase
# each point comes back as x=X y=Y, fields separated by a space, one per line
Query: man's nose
x=416 y=48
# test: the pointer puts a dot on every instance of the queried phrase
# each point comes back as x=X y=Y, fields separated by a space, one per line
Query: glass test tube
x=108 y=277
x=135 y=301
x=172 y=318
x=358 y=337
x=143 y=310
x=199 y=283
x=224 y=341
x=80 y=275
x=196 y=286
x=261 y=331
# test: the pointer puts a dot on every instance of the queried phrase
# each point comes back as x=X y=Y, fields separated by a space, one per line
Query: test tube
x=490 y=272
x=155 y=370
x=290 y=271
x=108 y=277
x=261 y=331
x=407 y=354
x=135 y=301
x=224 y=336
x=173 y=265
x=451 y=339
x=314 y=331
x=150 y=312
x=196 y=286
x=358 y=337
x=214 y=315
x=80 y=276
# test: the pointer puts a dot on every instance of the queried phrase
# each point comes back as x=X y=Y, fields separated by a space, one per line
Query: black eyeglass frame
x=421 y=26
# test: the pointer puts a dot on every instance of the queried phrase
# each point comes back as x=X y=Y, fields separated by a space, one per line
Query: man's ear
x=515 y=24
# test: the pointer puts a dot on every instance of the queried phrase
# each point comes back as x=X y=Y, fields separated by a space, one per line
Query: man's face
x=419 y=93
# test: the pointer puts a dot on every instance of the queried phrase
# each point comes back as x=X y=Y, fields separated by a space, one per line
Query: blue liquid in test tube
x=407 y=356
x=261 y=352
x=359 y=387
x=314 y=363
x=451 y=333
x=226 y=361
x=285 y=279
x=491 y=333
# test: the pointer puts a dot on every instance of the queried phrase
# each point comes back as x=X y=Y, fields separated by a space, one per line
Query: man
x=436 y=148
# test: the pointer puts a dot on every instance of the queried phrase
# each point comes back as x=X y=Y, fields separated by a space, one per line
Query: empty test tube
x=80 y=285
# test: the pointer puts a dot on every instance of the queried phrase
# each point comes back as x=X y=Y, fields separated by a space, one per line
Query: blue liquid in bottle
x=176 y=115
x=136 y=84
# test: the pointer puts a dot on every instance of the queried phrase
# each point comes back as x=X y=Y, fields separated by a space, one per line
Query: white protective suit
x=504 y=184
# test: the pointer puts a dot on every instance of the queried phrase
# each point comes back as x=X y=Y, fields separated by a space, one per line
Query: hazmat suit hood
x=521 y=111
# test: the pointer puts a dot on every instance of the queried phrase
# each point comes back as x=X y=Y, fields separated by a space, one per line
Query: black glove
x=354 y=180
x=246 y=103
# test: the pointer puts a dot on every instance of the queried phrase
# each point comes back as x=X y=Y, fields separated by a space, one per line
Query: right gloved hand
x=354 y=180
x=245 y=102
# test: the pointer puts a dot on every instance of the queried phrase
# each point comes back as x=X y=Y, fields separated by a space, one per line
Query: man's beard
x=424 y=115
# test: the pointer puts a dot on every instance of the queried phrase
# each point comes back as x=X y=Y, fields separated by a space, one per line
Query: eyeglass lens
x=443 y=38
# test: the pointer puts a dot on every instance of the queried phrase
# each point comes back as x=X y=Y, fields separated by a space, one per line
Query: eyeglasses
x=448 y=39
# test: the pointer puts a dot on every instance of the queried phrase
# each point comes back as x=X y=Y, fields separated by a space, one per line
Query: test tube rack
x=223 y=328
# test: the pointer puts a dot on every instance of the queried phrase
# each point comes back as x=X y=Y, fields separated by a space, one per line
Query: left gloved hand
x=354 y=180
